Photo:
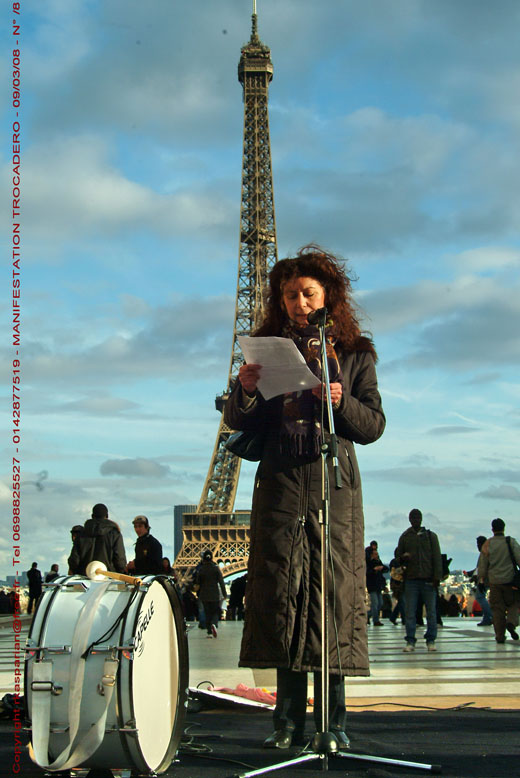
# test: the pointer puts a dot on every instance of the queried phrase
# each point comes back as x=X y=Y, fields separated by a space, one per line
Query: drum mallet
x=97 y=571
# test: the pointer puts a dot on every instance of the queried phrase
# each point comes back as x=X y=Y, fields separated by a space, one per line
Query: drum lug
x=129 y=726
x=46 y=686
x=113 y=649
x=29 y=649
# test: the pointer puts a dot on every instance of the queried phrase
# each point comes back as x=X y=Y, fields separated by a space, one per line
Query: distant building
x=178 y=511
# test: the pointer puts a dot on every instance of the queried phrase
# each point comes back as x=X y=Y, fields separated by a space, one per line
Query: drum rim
x=183 y=669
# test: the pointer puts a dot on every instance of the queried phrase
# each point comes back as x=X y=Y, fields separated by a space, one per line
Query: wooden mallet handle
x=96 y=568
x=119 y=576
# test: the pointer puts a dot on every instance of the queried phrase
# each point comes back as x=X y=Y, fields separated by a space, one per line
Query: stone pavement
x=468 y=667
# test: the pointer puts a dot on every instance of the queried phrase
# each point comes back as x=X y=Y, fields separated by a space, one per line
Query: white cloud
x=503 y=492
x=140 y=468
x=99 y=405
x=174 y=340
x=62 y=39
x=72 y=188
x=490 y=258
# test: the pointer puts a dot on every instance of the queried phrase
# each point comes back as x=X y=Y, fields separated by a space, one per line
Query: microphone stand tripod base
x=324 y=743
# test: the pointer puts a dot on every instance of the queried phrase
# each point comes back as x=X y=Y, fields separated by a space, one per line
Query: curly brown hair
x=314 y=262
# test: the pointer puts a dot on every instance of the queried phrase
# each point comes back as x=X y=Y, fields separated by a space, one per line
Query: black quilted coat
x=283 y=595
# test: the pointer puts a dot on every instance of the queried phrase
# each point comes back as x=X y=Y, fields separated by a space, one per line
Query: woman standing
x=283 y=595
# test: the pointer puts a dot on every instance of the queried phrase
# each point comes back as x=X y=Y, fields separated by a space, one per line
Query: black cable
x=461 y=706
x=110 y=631
x=202 y=751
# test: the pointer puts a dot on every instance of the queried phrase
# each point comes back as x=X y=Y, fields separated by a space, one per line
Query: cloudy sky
x=394 y=137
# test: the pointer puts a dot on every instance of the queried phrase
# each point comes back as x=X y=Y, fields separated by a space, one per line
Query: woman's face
x=301 y=296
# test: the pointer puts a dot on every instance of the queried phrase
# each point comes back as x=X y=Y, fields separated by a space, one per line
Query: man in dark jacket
x=148 y=550
x=376 y=584
x=35 y=585
x=419 y=552
x=211 y=589
x=53 y=573
x=99 y=540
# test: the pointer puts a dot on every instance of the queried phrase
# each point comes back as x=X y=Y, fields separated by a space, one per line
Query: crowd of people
x=100 y=539
x=410 y=588
x=416 y=571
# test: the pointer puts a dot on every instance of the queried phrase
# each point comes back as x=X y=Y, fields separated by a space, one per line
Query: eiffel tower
x=214 y=525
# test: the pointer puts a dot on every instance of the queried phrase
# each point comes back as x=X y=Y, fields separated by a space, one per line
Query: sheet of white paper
x=283 y=367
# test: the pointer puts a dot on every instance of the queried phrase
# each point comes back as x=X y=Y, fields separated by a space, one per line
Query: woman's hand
x=336 y=392
x=248 y=376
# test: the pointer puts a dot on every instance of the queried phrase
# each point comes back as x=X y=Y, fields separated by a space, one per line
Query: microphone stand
x=324 y=742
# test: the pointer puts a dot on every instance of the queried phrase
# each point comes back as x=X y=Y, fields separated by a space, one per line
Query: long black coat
x=283 y=595
x=211 y=581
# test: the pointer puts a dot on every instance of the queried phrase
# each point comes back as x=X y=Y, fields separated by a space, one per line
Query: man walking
x=35 y=586
x=496 y=565
x=211 y=589
x=419 y=553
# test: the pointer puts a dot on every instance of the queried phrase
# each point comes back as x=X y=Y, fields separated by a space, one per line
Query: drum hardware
x=30 y=649
x=128 y=728
x=114 y=649
x=106 y=680
x=80 y=772
x=72 y=586
x=46 y=686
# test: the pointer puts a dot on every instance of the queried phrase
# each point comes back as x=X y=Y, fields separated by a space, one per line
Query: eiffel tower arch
x=215 y=525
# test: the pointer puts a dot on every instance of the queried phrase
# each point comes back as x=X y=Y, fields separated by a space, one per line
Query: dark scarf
x=301 y=431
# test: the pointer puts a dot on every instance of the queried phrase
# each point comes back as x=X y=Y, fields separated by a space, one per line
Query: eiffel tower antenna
x=257 y=255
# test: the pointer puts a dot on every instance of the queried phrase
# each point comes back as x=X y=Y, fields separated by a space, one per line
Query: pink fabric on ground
x=256 y=694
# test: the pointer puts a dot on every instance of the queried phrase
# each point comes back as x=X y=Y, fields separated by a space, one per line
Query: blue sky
x=394 y=138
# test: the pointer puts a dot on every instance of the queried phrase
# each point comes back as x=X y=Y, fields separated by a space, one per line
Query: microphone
x=318 y=316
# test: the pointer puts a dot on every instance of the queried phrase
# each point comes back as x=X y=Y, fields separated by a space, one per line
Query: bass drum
x=106 y=675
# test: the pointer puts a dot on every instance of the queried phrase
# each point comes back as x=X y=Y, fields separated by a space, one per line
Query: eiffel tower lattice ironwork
x=214 y=525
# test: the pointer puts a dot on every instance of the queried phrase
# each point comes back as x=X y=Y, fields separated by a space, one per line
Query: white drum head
x=155 y=675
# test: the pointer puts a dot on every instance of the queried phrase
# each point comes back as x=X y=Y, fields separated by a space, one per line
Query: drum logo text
x=142 y=625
